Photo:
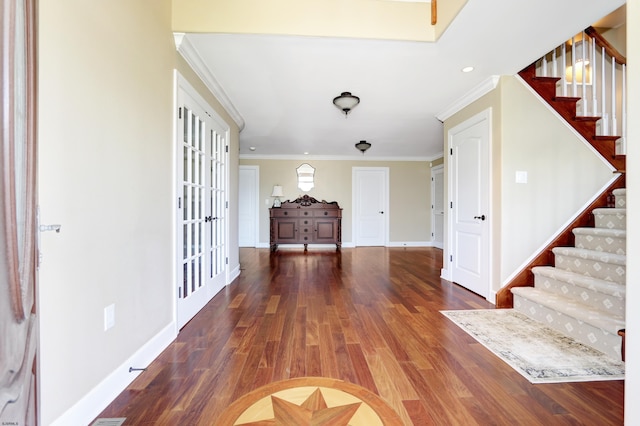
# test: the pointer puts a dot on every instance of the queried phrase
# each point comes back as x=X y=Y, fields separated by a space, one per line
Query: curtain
x=18 y=249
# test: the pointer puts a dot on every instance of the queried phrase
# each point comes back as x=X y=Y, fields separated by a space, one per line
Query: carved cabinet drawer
x=327 y=213
x=276 y=212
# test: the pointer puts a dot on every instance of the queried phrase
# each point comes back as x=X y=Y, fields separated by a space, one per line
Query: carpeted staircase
x=583 y=295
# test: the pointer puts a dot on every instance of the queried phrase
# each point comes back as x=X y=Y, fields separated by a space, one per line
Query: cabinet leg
x=305 y=247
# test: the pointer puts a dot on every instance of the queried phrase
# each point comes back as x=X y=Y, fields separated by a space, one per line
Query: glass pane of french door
x=193 y=217
x=217 y=203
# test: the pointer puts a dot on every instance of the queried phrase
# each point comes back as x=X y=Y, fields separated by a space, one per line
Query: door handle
x=483 y=217
x=381 y=212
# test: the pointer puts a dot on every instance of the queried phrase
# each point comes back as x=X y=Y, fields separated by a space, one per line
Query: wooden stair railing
x=605 y=145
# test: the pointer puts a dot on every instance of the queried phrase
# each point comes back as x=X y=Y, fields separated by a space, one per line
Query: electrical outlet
x=109 y=316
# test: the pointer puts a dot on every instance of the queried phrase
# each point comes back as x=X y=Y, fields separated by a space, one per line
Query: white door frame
x=385 y=202
x=256 y=213
x=447 y=274
x=182 y=85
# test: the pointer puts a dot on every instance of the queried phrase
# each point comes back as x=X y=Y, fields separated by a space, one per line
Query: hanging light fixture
x=363 y=146
x=346 y=102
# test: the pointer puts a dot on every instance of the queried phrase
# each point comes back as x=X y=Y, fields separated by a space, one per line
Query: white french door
x=202 y=206
x=469 y=176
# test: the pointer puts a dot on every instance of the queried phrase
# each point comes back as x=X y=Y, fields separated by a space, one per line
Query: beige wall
x=618 y=38
x=377 y=19
x=106 y=174
x=409 y=193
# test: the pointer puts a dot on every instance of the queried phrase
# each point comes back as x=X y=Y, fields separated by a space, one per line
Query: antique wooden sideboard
x=306 y=221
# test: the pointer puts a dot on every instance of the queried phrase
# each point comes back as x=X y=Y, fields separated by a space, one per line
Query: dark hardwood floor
x=369 y=316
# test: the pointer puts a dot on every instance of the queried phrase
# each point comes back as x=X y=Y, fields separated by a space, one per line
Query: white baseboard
x=445 y=274
x=352 y=245
x=235 y=273
x=411 y=244
x=93 y=403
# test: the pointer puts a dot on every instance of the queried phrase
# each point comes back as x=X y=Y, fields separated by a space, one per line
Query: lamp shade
x=277 y=191
x=346 y=101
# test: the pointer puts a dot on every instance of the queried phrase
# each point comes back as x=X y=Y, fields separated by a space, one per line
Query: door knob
x=483 y=217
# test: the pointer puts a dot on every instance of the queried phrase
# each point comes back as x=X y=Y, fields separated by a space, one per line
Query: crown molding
x=336 y=158
x=190 y=54
x=471 y=96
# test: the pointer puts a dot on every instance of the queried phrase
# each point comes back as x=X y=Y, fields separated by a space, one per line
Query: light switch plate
x=109 y=316
x=521 y=177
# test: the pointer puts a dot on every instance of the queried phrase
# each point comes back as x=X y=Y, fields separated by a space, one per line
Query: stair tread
x=610 y=210
x=602 y=232
x=601 y=286
x=585 y=313
x=601 y=256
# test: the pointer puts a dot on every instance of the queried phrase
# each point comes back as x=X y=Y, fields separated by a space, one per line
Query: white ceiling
x=283 y=86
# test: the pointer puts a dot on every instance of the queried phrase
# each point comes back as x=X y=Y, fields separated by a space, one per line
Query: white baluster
x=574 y=88
x=623 y=141
x=614 y=123
x=584 y=74
x=544 y=66
x=605 y=119
x=563 y=73
x=594 y=80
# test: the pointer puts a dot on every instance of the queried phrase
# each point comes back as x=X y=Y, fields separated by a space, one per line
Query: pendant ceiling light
x=346 y=102
x=363 y=146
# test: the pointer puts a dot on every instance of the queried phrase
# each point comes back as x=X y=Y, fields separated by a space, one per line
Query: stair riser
x=620 y=195
x=592 y=268
x=615 y=305
x=602 y=243
x=608 y=343
x=611 y=221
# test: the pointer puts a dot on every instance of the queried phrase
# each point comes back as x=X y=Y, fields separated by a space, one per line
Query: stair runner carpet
x=583 y=296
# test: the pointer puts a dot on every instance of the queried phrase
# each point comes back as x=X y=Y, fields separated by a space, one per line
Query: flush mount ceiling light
x=363 y=146
x=346 y=102
x=467 y=69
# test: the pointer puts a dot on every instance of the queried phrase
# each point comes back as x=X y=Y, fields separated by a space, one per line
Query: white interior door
x=249 y=182
x=469 y=177
x=437 y=206
x=370 y=201
x=202 y=204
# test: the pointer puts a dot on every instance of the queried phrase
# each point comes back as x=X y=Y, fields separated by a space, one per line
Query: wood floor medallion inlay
x=310 y=401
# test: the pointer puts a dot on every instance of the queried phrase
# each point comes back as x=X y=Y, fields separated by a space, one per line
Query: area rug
x=307 y=401
x=539 y=353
